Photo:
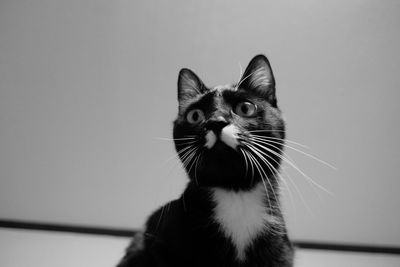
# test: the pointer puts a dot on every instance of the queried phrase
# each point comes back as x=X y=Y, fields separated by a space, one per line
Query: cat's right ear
x=189 y=85
x=258 y=76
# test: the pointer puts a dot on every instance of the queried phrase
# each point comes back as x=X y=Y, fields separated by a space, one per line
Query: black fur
x=184 y=231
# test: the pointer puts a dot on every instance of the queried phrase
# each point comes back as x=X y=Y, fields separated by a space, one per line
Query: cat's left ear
x=189 y=85
x=258 y=76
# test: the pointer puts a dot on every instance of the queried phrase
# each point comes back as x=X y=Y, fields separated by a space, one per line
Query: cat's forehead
x=220 y=88
x=209 y=96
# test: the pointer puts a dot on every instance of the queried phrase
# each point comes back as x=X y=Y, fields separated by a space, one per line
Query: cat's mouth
x=220 y=147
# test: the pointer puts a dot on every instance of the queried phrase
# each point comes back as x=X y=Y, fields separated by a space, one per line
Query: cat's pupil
x=195 y=116
x=245 y=108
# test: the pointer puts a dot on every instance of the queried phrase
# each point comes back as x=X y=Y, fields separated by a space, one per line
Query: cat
x=230 y=140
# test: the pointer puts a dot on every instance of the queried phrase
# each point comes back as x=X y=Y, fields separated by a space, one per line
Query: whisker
x=178 y=152
x=196 y=161
x=187 y=143
x=188 y=161
x=295 y=149
x=292 y=182
x=268 y=165
x=245 y=160
x=240 y=71
x=281 y=180
x=289 y=160
x=280 y=139
x=187 y=146
x=259 y=142
x=177 y=139
x=193 y=161
x=185 y=149
x=296 y=168
x=160 y=218
x=251 y=165
x=303 y=200
x=309 y=179
x=266 y=131
x=187 y=155
x=261 y=172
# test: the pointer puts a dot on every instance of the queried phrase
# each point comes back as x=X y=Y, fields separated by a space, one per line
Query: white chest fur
x=241 y=215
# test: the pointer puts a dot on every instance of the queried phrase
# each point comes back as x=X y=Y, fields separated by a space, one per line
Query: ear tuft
x=189 y=85
x=258 y=76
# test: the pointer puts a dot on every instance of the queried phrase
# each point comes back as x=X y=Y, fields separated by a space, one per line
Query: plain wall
x=88 y=91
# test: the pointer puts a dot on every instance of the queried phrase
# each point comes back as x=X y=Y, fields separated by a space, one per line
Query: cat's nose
x=216 y=125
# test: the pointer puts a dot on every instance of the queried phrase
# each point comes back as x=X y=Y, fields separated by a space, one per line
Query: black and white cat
x=230 y=141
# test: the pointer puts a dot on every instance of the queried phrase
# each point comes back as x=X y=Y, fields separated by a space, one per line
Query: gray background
x=88 y=88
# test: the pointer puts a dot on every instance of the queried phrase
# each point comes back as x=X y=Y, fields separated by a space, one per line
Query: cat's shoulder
x=168 y=214
x=134 y=253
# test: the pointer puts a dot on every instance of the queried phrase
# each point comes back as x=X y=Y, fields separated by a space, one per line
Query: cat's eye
x=195 y=116
x=245 y=109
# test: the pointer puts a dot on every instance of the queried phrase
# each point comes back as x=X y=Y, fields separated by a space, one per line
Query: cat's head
x=230 y=136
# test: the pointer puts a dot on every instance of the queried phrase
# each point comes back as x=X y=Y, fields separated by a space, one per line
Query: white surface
x=86 y=87
x=49 y=249
x=319 y=258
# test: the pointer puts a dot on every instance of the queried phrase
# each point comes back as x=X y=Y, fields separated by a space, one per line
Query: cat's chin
x=221 y=156
x=220 y=149
x=220 y=166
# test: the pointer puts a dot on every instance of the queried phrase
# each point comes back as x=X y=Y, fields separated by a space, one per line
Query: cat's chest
x=242 y=216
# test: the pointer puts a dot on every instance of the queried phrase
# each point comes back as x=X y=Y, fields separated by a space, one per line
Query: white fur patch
x=211 y=138
x=242 y=215
x=229 y=135
x=222 y=87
